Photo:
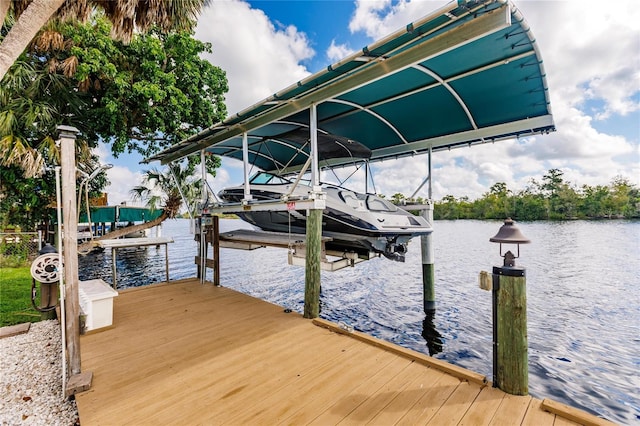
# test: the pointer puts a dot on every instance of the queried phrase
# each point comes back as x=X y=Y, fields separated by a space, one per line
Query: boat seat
x=350 y=199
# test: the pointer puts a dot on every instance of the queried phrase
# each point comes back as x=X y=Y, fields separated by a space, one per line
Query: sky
x=591 y=54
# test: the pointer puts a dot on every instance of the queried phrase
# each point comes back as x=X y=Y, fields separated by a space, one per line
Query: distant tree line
x=551 y=199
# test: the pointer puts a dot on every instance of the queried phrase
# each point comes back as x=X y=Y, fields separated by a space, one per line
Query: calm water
x=583 y=282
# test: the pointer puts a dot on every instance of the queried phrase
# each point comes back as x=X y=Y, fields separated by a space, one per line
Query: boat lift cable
x=61 y=283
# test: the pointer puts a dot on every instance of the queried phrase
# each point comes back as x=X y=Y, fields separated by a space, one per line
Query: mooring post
x=78 y=381
x=70 y=244
x=428 y=257
x=313 y=264
x=509 y=291
x=511 y=360
x=313 y=250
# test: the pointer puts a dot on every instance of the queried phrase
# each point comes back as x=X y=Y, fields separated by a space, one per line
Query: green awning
x=137 y=214
x=469 y=73
x=112 y=214
x=99 y=215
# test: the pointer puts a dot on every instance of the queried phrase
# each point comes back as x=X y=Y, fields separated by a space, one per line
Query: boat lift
x=469 y=73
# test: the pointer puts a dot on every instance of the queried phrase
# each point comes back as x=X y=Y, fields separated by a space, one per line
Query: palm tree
x=29 y=115
x=126 y=16
x=160 y=190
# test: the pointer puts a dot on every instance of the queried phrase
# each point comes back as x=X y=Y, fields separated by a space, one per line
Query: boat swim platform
x=333 y=259
x=190 y=353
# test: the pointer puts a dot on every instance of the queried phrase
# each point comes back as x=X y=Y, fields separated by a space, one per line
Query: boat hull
x=361 y=223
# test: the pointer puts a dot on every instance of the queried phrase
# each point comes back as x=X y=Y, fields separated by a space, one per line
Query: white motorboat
x=354 y=221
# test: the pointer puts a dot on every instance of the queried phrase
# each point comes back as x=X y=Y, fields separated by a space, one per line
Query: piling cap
x=509 y=234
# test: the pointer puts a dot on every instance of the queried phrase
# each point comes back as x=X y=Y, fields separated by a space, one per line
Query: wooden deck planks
x=309 y=392
x=186 y=353
x=511 y=411
x=405 y=399
x=456 y=405
x=377 y=401
x=484 y=407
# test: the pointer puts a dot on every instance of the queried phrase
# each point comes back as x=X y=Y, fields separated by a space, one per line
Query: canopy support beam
x=245 y=163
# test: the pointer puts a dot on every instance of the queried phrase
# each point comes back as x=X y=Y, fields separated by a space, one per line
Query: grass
x=15 y=297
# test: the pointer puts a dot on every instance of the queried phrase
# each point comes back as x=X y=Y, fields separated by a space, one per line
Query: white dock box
x=96 y=301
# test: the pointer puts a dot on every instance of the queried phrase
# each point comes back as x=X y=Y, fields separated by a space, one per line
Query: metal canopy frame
x=469 y=73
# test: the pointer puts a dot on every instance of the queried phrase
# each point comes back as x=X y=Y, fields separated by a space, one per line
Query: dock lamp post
x=509 y=291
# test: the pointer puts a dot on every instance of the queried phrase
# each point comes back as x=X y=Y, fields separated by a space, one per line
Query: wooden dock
x=185 y=353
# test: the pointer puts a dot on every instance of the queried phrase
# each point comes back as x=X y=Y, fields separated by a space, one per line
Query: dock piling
x=509 y=306
x=70 y=244
x=313 y=264
x=428 y=271
x=511 y=368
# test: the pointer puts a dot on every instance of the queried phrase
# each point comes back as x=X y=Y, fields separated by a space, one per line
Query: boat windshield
x=264 y=178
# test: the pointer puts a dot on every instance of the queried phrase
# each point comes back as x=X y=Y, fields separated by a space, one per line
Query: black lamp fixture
x=509 y=234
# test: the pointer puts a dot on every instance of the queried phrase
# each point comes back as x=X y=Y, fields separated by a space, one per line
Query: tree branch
x=4 y=8
x=24 y=30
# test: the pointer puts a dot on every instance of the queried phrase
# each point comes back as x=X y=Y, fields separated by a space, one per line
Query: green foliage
x=552 y=199
x=165 y=189
x=146 y=95
x=24 y=200
x=15 y=297
x=143 y=96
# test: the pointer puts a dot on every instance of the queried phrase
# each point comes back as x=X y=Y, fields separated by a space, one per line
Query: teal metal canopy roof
x=468 y=73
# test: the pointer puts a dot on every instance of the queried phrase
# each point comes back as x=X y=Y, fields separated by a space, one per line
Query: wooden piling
x=510 y=368
x=210 y=236
x=313 y=264
x=70 y=252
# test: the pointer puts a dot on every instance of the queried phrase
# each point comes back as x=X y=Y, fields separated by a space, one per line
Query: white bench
x=96 y=301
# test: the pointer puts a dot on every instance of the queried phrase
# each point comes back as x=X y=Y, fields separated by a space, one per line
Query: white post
x=245 y=162
x=428 y=255
x=313 y=130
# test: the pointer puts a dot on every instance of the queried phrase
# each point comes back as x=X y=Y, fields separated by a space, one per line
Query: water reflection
x=430 y=334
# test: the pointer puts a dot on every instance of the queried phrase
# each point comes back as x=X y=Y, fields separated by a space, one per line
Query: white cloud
x=336 y=52
x=122 y=181
x=591 y=54
x=260 y=57
x=590 y=51
x=219 y=182
x=381 y=18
